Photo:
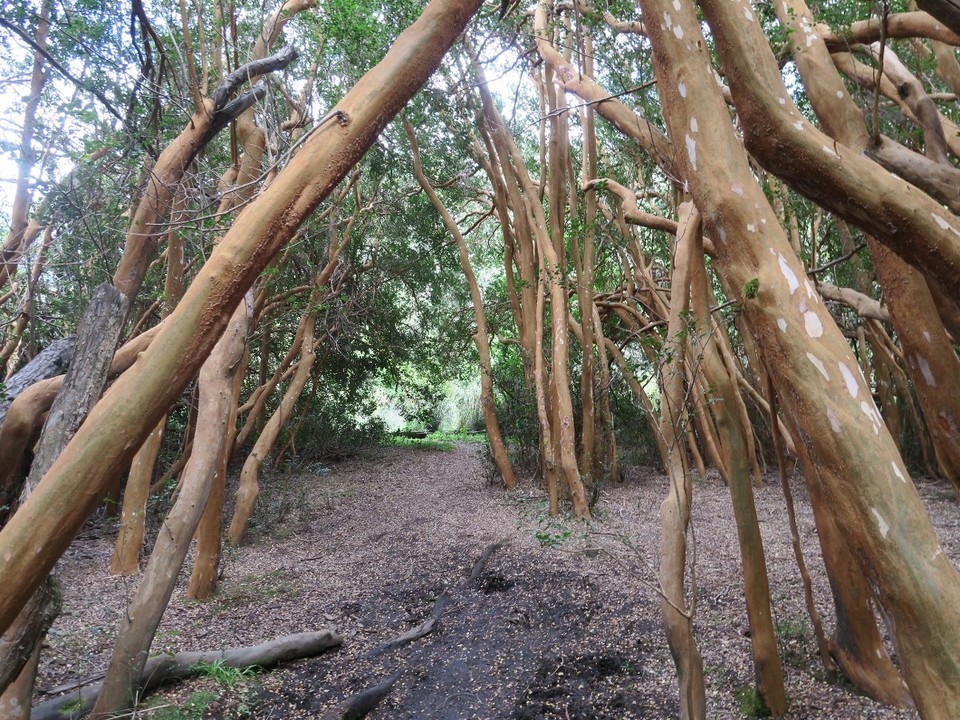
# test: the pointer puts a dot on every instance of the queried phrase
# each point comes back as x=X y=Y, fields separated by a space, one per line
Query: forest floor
x=562 y=621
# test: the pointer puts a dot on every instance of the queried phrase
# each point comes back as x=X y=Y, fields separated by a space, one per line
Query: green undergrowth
x=439 y=441
x=192 y=709
x=751 y=704
x=224 y=674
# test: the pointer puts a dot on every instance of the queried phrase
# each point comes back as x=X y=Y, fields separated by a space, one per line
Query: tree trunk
x=139 y=624
x=203 y=579
x=133 y=515
x=27 y=411
x=736 y=454
x=14 y=245
x=675 y=509
x=249 y=486
x=481 y=337
x=933 y=364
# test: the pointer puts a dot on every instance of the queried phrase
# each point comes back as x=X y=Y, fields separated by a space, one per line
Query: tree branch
x=251 y=70
x=61 y=69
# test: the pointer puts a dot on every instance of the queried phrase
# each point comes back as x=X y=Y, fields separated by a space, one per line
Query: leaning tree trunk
x=42 y=529
x=133 y=512
x=736 y=457
x=675 y=509
x=203 y=578
x=126 y=550
x=139 y=624
x=931 y=360
x=857 y=643
x=481 y=337
x=249 y=486
x=855 y=463
x=80 y=390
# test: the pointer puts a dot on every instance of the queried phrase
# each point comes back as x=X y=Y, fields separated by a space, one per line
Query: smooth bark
x=675 y=509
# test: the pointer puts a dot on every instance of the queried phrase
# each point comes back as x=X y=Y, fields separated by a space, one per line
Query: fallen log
x=358 y=706
x=168 y=668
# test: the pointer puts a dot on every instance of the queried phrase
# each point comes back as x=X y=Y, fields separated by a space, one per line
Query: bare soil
x=562 y=621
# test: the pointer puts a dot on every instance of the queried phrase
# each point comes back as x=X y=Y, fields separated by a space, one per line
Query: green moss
x=751 y=704
x=750 y=288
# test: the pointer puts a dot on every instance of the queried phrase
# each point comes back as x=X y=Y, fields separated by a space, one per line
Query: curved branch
x=251 y=70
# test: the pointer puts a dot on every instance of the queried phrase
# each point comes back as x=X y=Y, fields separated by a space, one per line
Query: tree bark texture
x=203 y=578
x=133 y=514
x=835 y=176
x=51 y=361
x=27 y=411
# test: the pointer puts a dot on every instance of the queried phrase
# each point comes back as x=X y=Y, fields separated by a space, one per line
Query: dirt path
x=550 y=629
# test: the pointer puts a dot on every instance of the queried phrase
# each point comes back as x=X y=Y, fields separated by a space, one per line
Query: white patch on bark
x=682 y=89
x=803 y=304
x=722 y=233
x=782 y=324
x=692 y=151
x=737 y=189
x=751 y=227
x=667 y=20
x=676 y=5
x=926 y=371
x=747 y=14
x=788 y=273
x=798 y=125
x=782 y=101
x=818 y=364
x=896 y=471
x=870 y=410
x=830 y=151
x=853 y=387
x=694 y=127
x=881 y=523
x=926 y=336
x=811 y=291
x=834 y=420
x=812 y=323
x=808 y=30
x=840 y=93
x=944 y=225
x=678 y=31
